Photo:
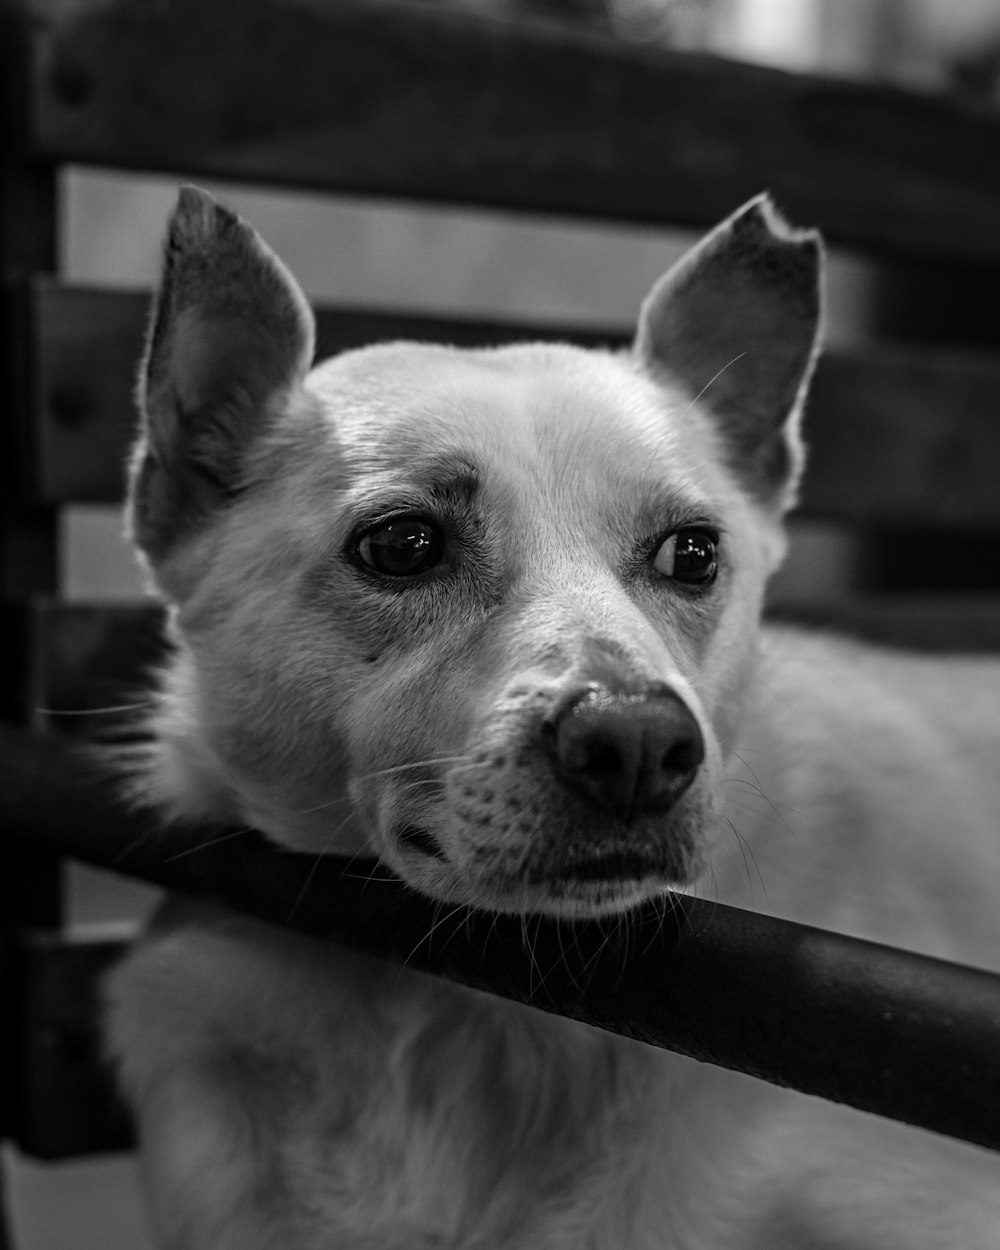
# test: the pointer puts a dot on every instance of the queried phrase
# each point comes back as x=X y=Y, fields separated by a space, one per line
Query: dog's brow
x=454 y=478
x=656 y=509
x=457 y=478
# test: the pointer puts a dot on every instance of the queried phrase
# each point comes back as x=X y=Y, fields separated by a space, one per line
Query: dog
x=493 y=616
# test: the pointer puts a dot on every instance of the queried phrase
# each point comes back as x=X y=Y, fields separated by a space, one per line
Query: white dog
x=493 y=616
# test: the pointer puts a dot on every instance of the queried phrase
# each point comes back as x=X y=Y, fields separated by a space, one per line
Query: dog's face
x=485 y=614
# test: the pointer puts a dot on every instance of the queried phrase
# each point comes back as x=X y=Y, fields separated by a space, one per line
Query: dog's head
x=486 y=614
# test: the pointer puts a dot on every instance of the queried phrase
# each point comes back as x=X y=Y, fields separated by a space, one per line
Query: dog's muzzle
x=627 y=754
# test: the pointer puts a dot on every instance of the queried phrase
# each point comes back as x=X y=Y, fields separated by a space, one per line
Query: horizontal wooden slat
x=880 y=1029
x=906 y=437
x=388 y=99
x=943 y=622
x=899 y=437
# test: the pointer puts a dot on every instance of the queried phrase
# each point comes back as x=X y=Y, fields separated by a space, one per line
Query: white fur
x=295 y=1095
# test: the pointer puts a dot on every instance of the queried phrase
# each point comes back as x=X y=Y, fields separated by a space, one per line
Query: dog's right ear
x=230 y=338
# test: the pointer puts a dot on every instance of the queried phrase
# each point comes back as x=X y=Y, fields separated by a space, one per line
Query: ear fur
x=231 y=335
x=737 y=322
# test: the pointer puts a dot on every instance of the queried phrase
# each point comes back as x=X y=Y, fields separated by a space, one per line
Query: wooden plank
x=899 y=436
x=880 y=1029
x=386 y=99
x=920 y=622
x=906 y=437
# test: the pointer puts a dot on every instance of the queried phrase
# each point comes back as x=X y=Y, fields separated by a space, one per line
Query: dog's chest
x=473 y=1121
x=382 y=1101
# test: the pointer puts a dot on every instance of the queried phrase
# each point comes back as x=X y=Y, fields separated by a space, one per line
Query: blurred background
x=367 y=253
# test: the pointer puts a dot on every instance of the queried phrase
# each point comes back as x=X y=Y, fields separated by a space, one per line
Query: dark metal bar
x=883 y=1030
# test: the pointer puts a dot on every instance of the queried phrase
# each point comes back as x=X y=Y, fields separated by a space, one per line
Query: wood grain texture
x=385 y=99
x=898 y=437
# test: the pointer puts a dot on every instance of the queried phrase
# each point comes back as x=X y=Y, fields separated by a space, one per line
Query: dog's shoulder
x=879 y=770
x=916 y=694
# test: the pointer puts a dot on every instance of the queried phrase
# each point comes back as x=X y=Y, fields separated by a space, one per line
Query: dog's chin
x=610 y=883
x=605 y=880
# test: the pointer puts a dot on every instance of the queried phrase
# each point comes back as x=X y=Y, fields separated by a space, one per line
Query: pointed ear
x=231 y=336
x=736 y=322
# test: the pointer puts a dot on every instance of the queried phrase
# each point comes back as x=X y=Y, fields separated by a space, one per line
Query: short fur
x=294 y=1095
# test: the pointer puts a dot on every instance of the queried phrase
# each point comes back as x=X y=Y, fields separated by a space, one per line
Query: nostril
x=685 y=755
x=589 y=752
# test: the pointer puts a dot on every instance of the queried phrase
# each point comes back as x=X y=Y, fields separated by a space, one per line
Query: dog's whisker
x=535 y=986
x=368 y=877
x=123 y=855
x=563 y=954
x=590 y=964
x=343 y=800
x=743 y=847
x=763 y=809
x=756 y=784
x=660 y=906
x=417 y=782
x=112 y=710
x=229 y=836
x=750 y=851
x=463 y=926
x=438 y=922
x=469 y=766
x=401 y=768
x=340 y=800
x=317 y=860
x=741 y=753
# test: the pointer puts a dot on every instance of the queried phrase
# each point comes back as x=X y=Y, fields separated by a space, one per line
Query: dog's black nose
x=626 y=753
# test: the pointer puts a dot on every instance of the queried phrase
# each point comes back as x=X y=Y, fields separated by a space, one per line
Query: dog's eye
x=402 y=548
x=689 y=555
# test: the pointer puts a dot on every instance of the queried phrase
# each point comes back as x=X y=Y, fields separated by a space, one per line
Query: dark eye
x=690 y=556
x=402 y=548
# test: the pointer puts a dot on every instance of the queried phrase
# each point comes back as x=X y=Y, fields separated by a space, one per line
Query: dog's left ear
x=736 y=321
x=231 y=337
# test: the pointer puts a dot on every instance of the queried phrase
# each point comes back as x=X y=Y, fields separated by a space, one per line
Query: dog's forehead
x=535 y=411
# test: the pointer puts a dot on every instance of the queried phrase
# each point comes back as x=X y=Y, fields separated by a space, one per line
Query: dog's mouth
x=582 y=881
x=614 y=866
x=418 y=839
x=617 y=861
